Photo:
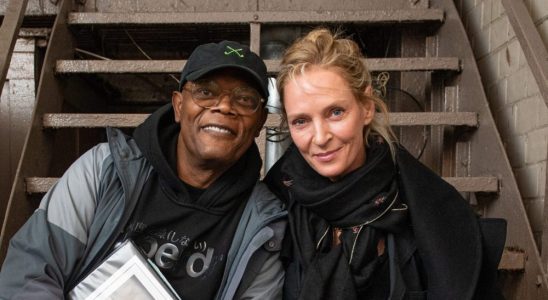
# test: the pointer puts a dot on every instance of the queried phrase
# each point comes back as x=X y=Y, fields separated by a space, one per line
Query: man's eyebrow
x=203 y=80
x=249 y=86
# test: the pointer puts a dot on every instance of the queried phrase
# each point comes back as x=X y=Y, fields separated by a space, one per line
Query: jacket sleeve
x=44 y=252
x=268 y=284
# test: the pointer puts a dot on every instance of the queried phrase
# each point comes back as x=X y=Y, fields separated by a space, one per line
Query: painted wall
x=519 y=110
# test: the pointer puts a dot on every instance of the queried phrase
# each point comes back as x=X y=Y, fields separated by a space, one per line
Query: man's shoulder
x=265 y=205
x=122 y=146
x=264 y=198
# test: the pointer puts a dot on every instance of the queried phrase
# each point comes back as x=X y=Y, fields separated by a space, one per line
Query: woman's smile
x=327 y=156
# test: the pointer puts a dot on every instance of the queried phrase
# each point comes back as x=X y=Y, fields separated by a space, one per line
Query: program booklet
x=125 y=274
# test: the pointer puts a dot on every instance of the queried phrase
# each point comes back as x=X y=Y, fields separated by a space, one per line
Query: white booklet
x=125 y=274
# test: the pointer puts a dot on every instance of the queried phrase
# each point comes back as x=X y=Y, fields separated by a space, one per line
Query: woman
x=367 y=220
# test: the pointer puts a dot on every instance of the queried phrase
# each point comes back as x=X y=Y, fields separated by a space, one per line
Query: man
x=185 y=189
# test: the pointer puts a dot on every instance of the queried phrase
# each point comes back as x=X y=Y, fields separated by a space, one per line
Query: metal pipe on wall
x=274 y=42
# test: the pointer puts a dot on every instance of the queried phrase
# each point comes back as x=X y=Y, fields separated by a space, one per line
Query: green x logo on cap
x=235 y=51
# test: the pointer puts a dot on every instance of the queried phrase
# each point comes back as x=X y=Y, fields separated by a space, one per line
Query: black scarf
x=364 y=204
x=438 y=239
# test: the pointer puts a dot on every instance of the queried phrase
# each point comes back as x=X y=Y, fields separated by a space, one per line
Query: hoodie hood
x=157 y=139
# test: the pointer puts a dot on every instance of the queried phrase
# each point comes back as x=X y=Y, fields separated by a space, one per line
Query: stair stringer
x=37 y=152
x=486 y=156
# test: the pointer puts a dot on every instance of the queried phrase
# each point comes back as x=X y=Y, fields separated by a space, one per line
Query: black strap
x=252 y=270
x=260 y=256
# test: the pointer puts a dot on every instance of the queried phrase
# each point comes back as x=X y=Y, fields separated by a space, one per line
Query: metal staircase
x=96 y=74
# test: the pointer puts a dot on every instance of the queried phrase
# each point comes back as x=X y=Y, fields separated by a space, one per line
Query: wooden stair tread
x=488 y=184
x=70 y=120
x=463 y=184
x=175 y=66
x=390 y=16
x=512 y=260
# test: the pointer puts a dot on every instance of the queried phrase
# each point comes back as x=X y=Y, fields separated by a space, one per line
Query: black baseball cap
x=226 y=54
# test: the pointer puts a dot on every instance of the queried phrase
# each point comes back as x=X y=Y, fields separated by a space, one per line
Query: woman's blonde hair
x=328 y=50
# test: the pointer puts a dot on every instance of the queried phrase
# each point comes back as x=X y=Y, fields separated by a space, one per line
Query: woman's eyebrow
x=297 y=115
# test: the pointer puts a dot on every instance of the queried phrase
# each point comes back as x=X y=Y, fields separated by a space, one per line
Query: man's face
x=218 y=136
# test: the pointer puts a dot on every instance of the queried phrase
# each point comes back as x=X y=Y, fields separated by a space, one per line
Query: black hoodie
x=186 y=231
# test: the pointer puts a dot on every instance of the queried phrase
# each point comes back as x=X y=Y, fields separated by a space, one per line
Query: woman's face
x=326 y=121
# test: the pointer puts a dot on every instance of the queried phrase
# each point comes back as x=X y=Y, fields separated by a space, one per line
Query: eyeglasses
x=207 y=94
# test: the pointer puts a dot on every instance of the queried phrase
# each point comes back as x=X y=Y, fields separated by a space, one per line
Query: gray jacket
x=85 y=213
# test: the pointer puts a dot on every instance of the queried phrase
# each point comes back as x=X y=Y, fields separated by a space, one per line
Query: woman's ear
x=368 y=91
x=368 y=106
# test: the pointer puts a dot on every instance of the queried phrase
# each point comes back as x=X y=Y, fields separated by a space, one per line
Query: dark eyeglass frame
x=216 y=99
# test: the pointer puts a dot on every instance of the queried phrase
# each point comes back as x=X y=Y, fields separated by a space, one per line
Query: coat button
x=124 y=154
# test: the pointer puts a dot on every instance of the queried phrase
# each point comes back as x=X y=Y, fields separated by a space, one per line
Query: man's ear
x=368 y=106
x=261 y=121
x=177 y=102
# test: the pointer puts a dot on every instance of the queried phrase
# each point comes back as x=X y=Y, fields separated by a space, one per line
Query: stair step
x=469 y=119
x=92 y=120
x=474 y=184
x=37 y=185
x=175 y=66
x=63 y=120
x=263 y=17
x=512 y=260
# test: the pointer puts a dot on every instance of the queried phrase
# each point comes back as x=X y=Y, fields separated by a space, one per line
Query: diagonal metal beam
x=13 y=18
x=36 y=154
x=544 y=242
x=529 y=38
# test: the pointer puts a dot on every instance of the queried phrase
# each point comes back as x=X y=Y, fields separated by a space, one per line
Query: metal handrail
x=8 y=35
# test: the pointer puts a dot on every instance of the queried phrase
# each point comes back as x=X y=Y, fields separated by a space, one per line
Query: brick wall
x=16 y=105
x=519 y=110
